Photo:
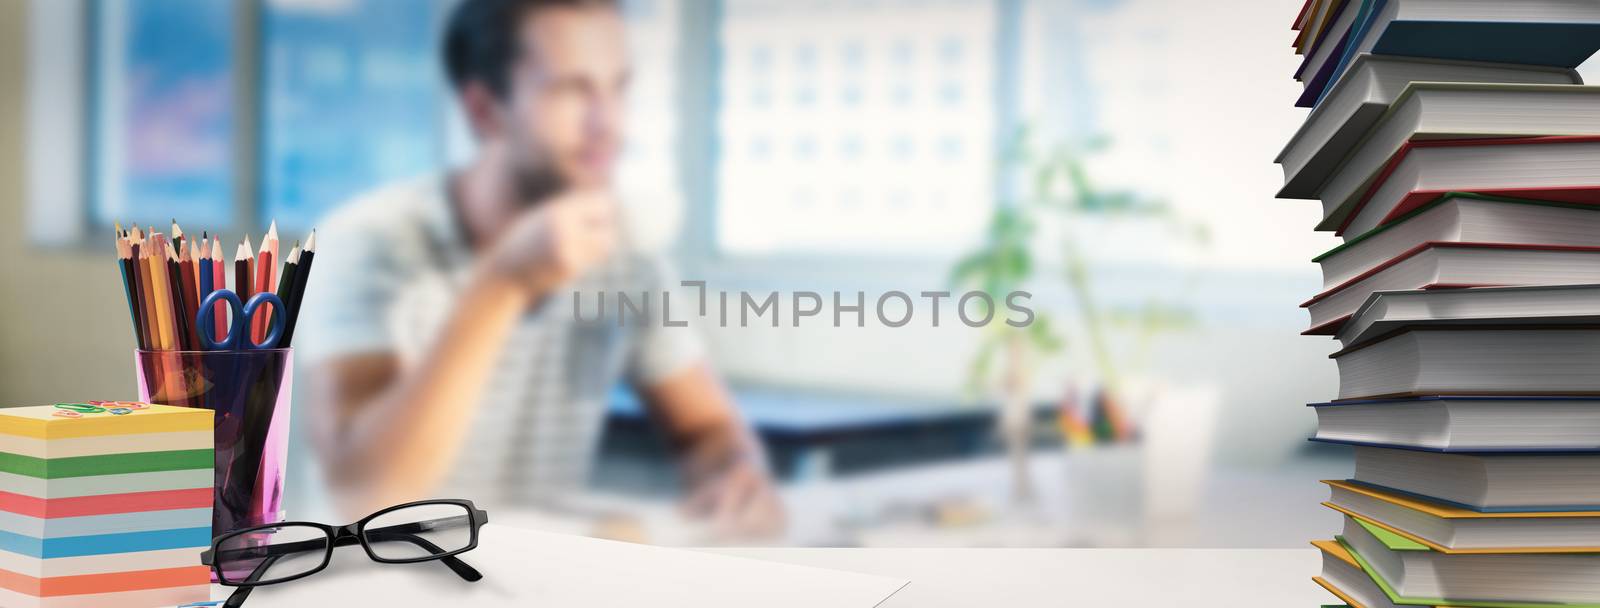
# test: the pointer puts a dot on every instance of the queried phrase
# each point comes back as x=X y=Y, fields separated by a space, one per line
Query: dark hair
x=480 y=39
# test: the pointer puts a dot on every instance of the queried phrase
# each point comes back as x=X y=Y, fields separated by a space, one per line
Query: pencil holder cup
x=249 y=391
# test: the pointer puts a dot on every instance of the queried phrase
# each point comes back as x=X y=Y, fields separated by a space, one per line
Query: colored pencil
x=125 y=263
x=242 y=260
x=219 y=280
x=291 y=264
x=302 y=274
x=203 y=273
x=243 y=281
x=271 y=243
x=159 y=292
x=265 y=278
x=179 y=303
x=141 y=299
x=141 y=266
x=189 y=286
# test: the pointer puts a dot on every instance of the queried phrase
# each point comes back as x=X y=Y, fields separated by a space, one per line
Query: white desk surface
x=939 y=578
x=1167 y=578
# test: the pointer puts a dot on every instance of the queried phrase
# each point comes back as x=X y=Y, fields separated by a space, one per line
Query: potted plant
x=1052 y=184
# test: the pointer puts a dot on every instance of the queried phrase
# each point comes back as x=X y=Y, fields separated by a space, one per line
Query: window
x=164 y=111
x=343 y=95
x=830 y=122
x=838 y=120
x=649 y=163
x=352 y=96
x=310 y=101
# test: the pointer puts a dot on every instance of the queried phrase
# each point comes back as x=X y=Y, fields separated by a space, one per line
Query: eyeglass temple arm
x=406 y=532
x=241 y=594
x=466 y=572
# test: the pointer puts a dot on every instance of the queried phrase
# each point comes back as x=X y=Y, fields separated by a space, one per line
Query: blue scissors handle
x=238 y=337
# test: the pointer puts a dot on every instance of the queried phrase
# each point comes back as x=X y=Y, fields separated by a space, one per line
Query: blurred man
x=443 y=351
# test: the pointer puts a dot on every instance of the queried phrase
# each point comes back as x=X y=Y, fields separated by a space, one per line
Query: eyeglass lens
x=271 y=554
x=419 y=531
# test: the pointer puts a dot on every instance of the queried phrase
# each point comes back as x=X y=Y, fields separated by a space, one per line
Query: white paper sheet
x=530 y=568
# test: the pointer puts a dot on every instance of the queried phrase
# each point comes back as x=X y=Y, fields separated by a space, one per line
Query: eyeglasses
x=413 y=532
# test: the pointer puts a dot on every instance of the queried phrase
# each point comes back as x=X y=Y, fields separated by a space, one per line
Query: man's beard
x=534 y=185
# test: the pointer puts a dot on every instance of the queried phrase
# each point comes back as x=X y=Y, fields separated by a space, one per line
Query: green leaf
x=979 y=371
x=1042 y=333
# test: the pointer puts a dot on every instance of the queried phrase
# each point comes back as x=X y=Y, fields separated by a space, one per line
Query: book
x=1343 y=577
x=1312 y=26
x=1455 y=151
x=1418 y=574
x=1388 y=312
x=1361 y=98
x=1434 y=265
x=1322 y=57
x=1557 y=168
x=1473 y=361
x=1485 y=481
x=1464 y=422
x=1461 y=217
x=1393 y=598
x=1433 y=110
x=1455 y=530
x=1561 y=33
x=1301 y=17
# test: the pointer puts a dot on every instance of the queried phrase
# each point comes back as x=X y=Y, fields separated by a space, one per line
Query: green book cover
x=1436 y=601
x=1439 y=201
x=1394 y=542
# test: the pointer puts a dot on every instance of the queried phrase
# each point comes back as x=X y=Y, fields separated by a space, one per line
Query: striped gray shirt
x=385 y=280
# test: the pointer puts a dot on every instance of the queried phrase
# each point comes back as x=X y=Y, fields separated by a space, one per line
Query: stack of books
x=104 y=504
x=1457 y=154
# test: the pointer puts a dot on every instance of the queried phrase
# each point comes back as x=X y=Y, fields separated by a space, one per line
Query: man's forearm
x=723 y=461
x=703 y=423
x=715 y=449
x=400 y=445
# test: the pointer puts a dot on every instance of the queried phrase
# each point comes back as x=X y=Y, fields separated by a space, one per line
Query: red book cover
x=1299 y=18
x=1588 y=194
x=1332 y=327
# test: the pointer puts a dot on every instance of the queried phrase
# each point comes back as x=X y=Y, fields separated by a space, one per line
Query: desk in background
x=811 y=435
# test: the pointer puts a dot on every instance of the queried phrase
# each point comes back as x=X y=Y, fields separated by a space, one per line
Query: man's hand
x=740 y=502
x=558 y=241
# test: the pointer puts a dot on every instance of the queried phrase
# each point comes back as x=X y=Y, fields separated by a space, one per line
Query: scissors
x=238 y=337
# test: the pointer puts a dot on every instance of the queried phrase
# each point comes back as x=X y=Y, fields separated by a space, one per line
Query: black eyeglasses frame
x=356 y=533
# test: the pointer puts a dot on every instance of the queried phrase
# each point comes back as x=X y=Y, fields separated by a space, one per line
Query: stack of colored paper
x=1455 y=150
x=104 y=504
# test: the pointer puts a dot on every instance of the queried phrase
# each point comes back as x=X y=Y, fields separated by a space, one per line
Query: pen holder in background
x=249 y=392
